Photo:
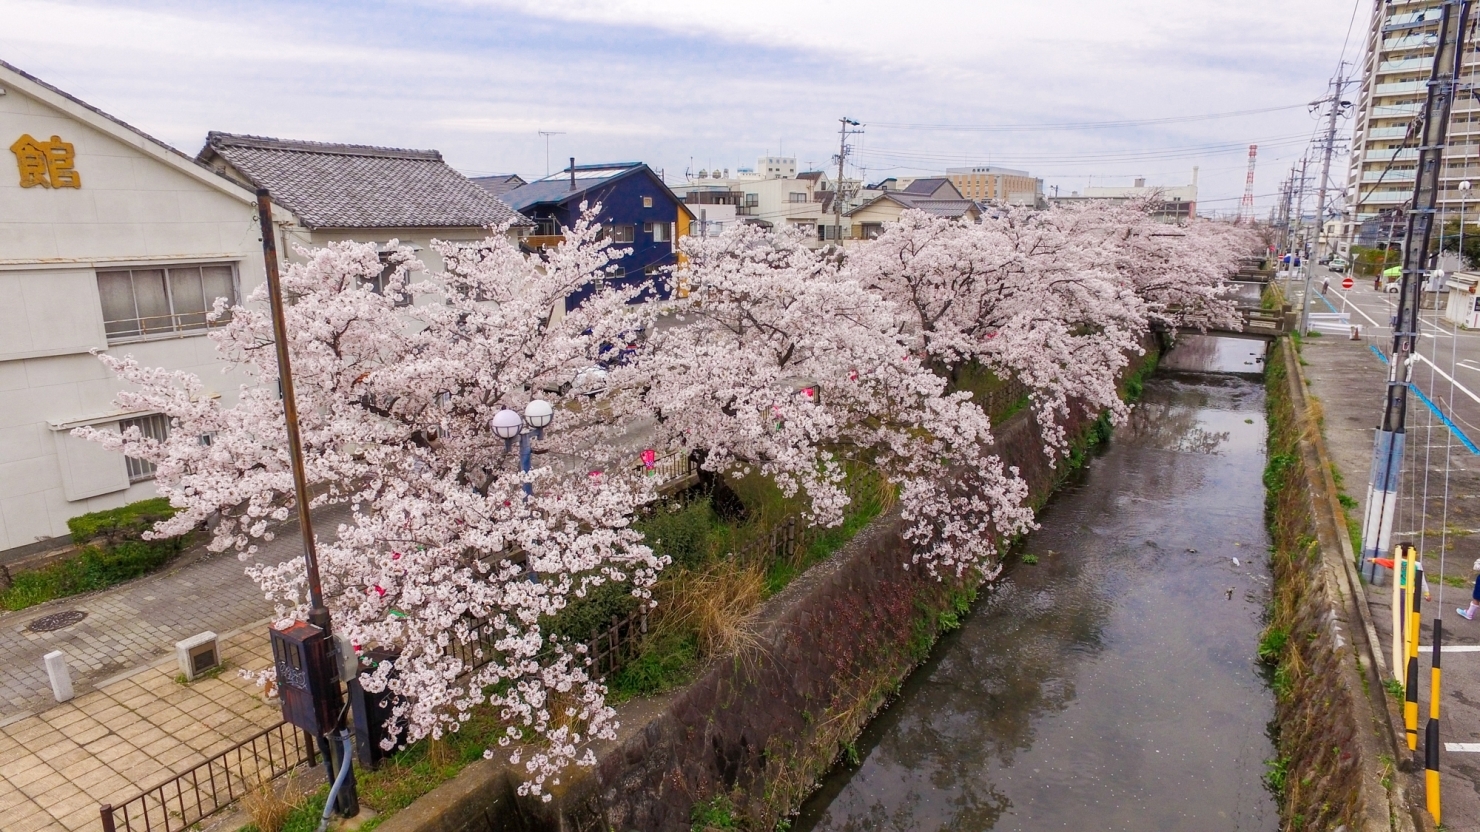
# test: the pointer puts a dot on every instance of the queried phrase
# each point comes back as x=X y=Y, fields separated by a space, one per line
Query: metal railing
x=126 y=329
x=202 y=791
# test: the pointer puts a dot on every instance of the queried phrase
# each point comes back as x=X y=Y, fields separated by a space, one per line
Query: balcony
x=1390 y=154
x=1401 y=88
x=1379 y=175
x=1387 y=132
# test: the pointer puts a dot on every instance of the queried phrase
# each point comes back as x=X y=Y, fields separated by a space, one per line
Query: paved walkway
x=131 y=724
x=136 y=623
x=126 y=736
x=1349 y=380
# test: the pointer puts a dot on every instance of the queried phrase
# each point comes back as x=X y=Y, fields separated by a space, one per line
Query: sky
x=685 y=85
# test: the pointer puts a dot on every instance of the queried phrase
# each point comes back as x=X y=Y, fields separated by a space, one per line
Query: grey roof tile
x=356 y=186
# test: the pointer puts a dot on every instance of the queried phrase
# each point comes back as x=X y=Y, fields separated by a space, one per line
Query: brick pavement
x=135 y=623
x=128 y=735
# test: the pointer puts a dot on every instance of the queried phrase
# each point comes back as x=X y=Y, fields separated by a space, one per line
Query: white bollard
x=61 y=678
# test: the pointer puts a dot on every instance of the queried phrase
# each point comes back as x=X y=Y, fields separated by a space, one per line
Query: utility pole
x=547 y=134
x=838 y=194
x=1337 y=107
x=1297 y=228
x=1387 y=451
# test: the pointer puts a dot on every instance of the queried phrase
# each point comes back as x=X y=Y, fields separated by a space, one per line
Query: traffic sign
x=1347 y=283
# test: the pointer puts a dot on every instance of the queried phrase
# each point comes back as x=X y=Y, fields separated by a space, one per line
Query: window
x=752 y=200
x=387 y=270
x=141 y=303
x=622 y=233
x=155 y=426
x=796 y=197
x=647 y=202
x=659 y=230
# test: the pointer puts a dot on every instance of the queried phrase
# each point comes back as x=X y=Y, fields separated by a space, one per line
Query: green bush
x=113 y=551
x=124 y=522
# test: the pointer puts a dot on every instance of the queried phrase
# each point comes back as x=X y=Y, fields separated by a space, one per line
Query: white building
x=772 y=195
x=110 y=240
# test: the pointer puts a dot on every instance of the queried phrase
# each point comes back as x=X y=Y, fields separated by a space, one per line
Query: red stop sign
x=1347 y=283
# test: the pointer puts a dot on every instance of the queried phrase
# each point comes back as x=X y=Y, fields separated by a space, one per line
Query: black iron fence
x=202 y=791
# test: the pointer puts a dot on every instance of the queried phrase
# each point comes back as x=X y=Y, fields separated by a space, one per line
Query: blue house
x=638 y=213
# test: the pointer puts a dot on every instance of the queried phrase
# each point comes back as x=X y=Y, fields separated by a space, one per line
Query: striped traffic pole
x=1411 y=577
x=1431 y=731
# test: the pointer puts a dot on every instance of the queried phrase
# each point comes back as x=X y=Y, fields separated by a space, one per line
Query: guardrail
x=200 y=792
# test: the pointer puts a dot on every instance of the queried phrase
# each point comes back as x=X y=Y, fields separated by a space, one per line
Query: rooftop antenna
x=547 y=134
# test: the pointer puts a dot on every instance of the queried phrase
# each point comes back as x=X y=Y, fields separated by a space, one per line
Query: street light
x=508 y=424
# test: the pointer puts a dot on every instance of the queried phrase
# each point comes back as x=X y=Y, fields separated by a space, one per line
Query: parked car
x=1338 y=264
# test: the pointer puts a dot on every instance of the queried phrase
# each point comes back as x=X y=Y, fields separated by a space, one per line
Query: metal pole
x=1321 y=198
x=318 y=613
x=1387 y=451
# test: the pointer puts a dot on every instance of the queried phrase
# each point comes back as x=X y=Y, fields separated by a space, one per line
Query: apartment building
x=997 y=185
x=1173 y=203
x=771 y=194
x=1394 y=77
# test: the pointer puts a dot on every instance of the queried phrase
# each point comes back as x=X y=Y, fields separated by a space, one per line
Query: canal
x=1113 y=684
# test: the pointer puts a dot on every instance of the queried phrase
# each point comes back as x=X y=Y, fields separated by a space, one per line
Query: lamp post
x=508 y=425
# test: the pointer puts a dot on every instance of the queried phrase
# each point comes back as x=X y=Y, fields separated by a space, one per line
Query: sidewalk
x=138 y=622
x=126 y=736
x=1349 y=380
x=131 y=724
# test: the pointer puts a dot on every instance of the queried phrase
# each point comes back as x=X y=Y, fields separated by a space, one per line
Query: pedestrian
x=1325 y=285
x=1469 y=613
x=1377 y=283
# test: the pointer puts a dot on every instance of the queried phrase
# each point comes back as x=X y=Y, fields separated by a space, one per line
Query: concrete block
x=197 y=654
x=60 y=676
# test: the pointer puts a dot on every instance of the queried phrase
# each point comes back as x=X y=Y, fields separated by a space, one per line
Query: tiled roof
x=926 y=187
x=356 y=186
x=499 y=184
x=556 y=187
x=947 y=208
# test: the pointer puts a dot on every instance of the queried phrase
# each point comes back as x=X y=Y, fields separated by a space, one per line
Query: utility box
x=197 y=654
x=305 y=677
x=372 y=711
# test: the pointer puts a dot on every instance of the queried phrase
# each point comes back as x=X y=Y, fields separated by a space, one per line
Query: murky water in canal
x=1112 y=685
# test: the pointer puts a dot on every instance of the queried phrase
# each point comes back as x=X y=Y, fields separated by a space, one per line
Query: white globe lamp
x=506 y=424
x=538 y=413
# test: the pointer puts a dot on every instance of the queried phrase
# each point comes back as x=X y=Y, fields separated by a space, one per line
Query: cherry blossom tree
x=395 y=404
x=1018 y=294
x=786 y=364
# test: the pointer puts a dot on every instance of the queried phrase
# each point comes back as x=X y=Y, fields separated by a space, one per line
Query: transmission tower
x=1246 y=206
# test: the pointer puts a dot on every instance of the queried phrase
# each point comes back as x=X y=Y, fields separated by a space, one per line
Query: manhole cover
x=56 y=621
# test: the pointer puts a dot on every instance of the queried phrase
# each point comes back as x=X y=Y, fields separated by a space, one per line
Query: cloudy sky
x=690 y=84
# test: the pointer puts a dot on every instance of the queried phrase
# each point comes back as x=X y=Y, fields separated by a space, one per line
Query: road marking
x=1451 y=648
x=1453 y=428
x=1462 y=746
x=1451 y=379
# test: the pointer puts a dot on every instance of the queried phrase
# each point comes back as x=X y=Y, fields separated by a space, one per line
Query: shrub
x=124 y=522
x=113 y=551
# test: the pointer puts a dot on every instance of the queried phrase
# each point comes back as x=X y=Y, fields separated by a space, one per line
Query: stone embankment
x=755 y=732
x=1335 y=764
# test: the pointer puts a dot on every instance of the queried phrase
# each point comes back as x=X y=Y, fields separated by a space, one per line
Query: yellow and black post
x=1412 y=574
x=1431 y=731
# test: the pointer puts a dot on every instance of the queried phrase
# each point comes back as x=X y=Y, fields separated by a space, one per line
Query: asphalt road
x=1448 y=369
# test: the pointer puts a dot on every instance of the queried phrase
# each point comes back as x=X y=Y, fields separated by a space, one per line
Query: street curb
x=1339 y=568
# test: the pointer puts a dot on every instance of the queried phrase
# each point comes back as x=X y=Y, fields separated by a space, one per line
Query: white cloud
x=664 y=80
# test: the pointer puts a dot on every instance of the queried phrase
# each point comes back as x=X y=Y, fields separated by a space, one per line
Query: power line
x=1080 y=125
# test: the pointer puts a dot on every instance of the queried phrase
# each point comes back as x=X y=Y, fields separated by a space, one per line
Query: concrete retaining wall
x=1334 y=738
x=759 y=728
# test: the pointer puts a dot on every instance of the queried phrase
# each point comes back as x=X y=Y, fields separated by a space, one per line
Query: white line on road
x=1452 y=648
x=1448 y=377
x=1462 y=746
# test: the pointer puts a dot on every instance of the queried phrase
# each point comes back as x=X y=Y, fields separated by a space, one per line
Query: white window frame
x=153 y=426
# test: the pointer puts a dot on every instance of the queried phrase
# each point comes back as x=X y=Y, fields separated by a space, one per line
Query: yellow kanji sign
x=48 y=164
